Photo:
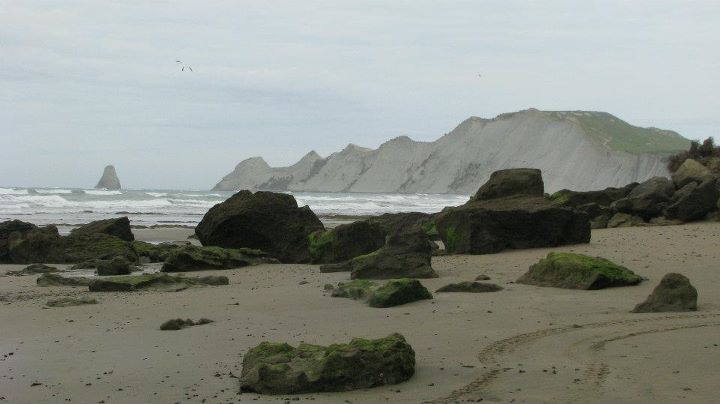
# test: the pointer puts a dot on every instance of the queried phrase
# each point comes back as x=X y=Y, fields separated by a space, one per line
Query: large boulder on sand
x=7 y=228
x=118 y=227
x=406 y=254
x=193 y=258
x=691 y=171
x=674 y=293
x=648 y=199
x=267 y=221
x=277 y=368
x=577 y=271
x=514 y=181
x=693 y=201
x=346 y=241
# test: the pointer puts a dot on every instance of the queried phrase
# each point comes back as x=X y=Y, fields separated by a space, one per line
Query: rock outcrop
x=109 y=179
x=267 y=221
x=118 y=227
x=484 y=226
x=674 y=293
x=576 y=150
x=577 y=271
x=276 y=368
x=193 y=258
x=178 y=324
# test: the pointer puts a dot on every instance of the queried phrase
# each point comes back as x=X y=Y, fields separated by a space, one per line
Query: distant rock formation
x=575 y=150
x=109 y=179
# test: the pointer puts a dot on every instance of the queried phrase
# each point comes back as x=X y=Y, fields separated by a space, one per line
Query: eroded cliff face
x=576 y=150
x=109 y=179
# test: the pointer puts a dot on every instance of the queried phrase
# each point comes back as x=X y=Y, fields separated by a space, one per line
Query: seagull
x=182 y=66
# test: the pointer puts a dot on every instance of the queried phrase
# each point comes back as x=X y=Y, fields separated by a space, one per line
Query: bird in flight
x=182 y=66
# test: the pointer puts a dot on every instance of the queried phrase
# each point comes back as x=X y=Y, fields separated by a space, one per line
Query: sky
x=86 y=83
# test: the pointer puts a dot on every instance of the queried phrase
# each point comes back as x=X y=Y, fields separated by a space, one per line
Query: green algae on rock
x=577 y=271
x=398 y=291
x=193 y=258
x=278 y=368
x=470 y=287
x=160 y=282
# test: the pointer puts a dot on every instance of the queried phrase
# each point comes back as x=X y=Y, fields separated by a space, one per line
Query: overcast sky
x=87 y=83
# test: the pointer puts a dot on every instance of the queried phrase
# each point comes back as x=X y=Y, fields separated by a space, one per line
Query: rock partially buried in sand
x=470 y=287
x=394 y=292
x=674 y=293
x=118 y=227
x=277 y=368
x=577 y=271
x=267 y=221
x=178 y=324
x=114 y=267
x=624 y=220
x=34 y=269
x=358 y=289
x=346 y=241
x=160 y=282
x=69 y=301
x=193 y=258
x=482 y=277
x=57 y=280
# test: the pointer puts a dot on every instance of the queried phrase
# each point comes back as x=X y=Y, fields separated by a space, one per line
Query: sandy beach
x=523 y=344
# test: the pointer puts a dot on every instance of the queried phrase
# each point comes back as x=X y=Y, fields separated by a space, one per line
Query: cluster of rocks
x=692 y=194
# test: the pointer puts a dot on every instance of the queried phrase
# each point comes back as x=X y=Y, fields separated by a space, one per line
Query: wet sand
x=526 y=343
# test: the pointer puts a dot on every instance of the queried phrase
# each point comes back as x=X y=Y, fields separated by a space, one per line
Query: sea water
x=186 y=208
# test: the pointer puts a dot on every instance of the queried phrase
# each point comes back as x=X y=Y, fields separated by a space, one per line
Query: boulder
x=391 y=223
x=113 y=267
x=624 y=220
x=57 y=280
x=7 y=228
x=158 y=282
x=193 y=258
x=277 y=368
x=266 y=221
x=603 y=197
x=36 y=245
x=179 y=324
x=406 y=254
x=512 y=182
x=674 y=293
x=70 y=301
x=109 y=179
x=346 y=241
x=693 y=201
x=490 y=226
x=153 y=252
x=397 y=292
x=358 y=289
x=34 y=269
x=470 y=287
x=577 y=271
x=691 y=171
x=118 y=227
x=647 y=199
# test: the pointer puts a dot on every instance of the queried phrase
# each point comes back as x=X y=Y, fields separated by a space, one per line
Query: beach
x=522 y=344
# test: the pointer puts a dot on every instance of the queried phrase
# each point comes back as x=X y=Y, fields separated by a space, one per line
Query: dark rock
x=116 y=266
x=266 y=221
x=512 y=182
x=34 y=269
x=647 y=199
x=154 y=252
x=470 y=287
x=118 y=227
x=70 y=301
x=600 y=222
x=57 y=280
x=484 y=227
x=601 y=198
x=392 y=223
x=7 y=228
x=159 y=282
x=193 y=258
x=36 y=245
x=693 y=201
x=359 y=289
x=577 y=271
x=346 y=241
x=691 y=171
x=482 y=277
x=674 y=293
x=624 y=220
x=397 y=292
x=178 y=324
x=275 y=368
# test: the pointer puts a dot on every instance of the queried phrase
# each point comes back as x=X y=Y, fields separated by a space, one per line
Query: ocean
x=65 y=206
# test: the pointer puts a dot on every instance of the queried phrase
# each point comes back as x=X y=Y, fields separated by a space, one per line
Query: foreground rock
x=276 y=368
x=470 y=287
x=118 y=227
x=157 y=282
x=116 y=266
x=193 y=258
x=267 y=221
x=179 y=324
x=109 y=179
x=70 y=301
x=346 y=241
x=34 y=269
x=577 y=271
x=674 y=293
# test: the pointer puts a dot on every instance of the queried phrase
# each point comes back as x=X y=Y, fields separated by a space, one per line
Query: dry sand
x=526 y=343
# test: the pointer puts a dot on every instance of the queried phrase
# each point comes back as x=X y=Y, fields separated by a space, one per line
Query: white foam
x=102 y=192
x=13 y=191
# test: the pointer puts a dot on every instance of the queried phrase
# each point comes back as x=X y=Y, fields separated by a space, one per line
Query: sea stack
x=109 y=179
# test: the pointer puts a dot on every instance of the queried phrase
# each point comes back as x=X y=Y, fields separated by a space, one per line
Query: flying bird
x=182 y=66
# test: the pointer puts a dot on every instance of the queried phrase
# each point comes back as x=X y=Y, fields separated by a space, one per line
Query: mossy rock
x=154 y=252
x=57 y=280
x=397 y=292
x=85 y=247
x=118 y=227
x=114 y=267
x=470 y=287
x=161 y=282
x=179 y=324
x=34 y=269
x=673 y=294
x=577 y=271
x=278 y=368
x=69 y=302
x=193 y=258
x=357 y=289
